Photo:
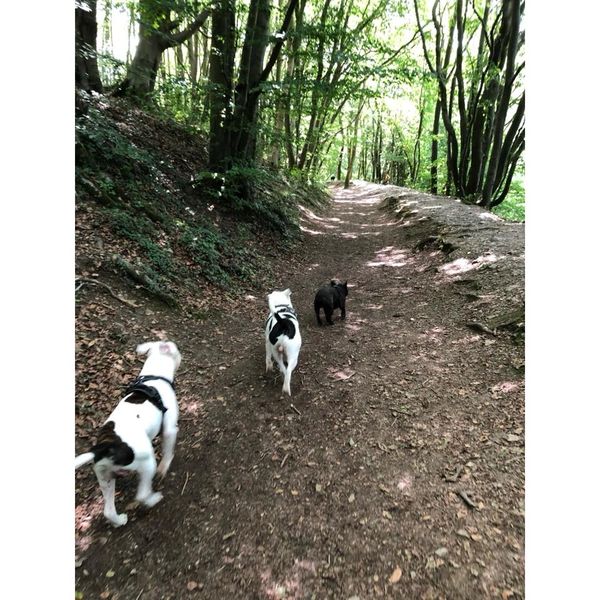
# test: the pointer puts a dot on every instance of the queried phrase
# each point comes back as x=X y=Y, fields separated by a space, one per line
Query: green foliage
x=513 y=207
x=110 y=167
x=140 y=229
x=254 y=194
x=205 y=247
x=177 y=97
x=307 y=191
x=98 y=143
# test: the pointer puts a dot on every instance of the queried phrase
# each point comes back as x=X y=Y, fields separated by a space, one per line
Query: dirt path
x=404 y=447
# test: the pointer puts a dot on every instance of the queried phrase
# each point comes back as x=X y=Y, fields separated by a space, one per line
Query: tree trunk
x=251 y=66
x=222 y=55
x=352 y=147
x=434 y=147
x=513 y=18
x=87 y=76
x=243 y=123
x=340 y=160
x=156 y=34
x=280 y=108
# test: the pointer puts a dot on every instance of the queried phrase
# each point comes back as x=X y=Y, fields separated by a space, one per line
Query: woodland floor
x=396 y=469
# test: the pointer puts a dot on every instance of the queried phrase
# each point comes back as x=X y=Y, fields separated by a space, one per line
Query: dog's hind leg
x=287 y=380
x=280 y=362
x=169 y=437
x=146 y=471
x=317 y=310
x=269 y=362
x=328 y=315
x=107 y=485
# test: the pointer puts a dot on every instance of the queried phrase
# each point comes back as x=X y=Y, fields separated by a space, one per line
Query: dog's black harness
x=285 y=310
x=149 y=393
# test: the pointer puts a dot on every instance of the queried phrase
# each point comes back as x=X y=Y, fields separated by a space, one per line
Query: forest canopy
x=422 y=94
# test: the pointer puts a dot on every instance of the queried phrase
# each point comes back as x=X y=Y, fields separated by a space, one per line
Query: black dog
x=329 y=297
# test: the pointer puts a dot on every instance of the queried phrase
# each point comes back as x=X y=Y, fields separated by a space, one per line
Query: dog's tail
x=288 y=330
x=83 y=459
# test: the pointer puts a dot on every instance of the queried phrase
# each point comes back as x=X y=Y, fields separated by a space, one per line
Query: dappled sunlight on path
x=344 y=220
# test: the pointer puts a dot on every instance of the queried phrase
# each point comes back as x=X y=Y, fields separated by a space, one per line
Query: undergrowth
x=211 y=230
x=513 y=207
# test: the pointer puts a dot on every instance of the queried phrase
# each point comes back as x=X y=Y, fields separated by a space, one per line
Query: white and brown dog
x=282 y=336
x=124 y=443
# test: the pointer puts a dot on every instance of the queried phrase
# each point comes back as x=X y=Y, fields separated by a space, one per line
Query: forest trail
x=396 y=469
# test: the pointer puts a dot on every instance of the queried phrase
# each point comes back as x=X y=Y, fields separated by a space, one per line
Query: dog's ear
x=170 y=349
x=345 y=284
x=332 y=283
x=167 y=348
x=287 y=292
x=144 y=348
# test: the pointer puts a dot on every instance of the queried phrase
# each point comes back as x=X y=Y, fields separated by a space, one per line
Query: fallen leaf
x=341 y=375
x=110 y=573
x=395 y=576
x=191 y=585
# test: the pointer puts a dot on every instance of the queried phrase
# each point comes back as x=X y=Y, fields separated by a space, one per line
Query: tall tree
x=233 y=136
x=157 y=32
x=222 y=59
x=486 y=138
x=87 y=76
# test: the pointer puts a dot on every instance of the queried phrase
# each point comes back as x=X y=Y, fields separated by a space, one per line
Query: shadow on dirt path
x=396 y=469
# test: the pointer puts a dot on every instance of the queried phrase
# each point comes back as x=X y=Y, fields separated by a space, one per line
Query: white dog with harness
x=124 y=442
x=282 y=336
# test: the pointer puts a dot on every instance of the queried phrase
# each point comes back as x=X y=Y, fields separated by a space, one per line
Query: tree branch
x=182 y=36
x=281 y=35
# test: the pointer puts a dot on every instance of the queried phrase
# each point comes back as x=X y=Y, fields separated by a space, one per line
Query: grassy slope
x=144 y=200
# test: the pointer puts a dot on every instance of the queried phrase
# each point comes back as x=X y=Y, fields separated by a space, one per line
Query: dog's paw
x=153 y=499
x=268 y=366
x=120 y=520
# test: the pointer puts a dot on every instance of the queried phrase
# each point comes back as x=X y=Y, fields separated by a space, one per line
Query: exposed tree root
x=436 y=241
x=513 y=320
x=86 y=280
x=149 y=284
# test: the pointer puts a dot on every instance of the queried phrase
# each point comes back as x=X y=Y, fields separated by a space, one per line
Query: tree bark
x=246 y=92
x=155 y=36
x=222 y=55
x=242 y=125
x=434 y=147
x=87 y=76
x=512 y=14
x=352 y=147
